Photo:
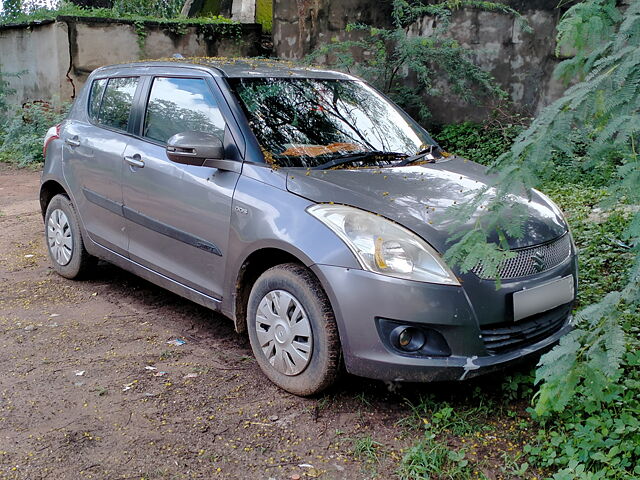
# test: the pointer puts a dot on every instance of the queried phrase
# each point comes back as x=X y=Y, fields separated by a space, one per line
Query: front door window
x=179 y=105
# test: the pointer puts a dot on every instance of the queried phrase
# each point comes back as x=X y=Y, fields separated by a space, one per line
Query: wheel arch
x=254 y=265
x=48 y=190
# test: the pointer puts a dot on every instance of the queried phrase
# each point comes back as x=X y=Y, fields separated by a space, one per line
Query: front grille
x=506 y=337
x=531 y=260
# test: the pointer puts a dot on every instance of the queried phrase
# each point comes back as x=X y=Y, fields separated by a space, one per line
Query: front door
x=177 y=215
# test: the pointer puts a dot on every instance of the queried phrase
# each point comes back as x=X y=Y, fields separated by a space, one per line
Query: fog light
x=405 y=337
x=409 y=339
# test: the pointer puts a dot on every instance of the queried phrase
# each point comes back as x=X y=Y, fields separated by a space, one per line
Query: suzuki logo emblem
x=538 y=261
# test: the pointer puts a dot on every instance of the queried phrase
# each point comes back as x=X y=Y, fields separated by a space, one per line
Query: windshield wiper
x=428 y=153
x=358 y=157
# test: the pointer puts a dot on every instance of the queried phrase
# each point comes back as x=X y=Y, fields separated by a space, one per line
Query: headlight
x=556 y=209
x=382 y=246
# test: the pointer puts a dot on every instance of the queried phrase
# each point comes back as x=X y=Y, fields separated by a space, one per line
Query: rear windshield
x=308 y=122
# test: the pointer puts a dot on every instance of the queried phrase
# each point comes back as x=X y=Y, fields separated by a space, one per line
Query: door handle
x=72 y=142
x=135 y=160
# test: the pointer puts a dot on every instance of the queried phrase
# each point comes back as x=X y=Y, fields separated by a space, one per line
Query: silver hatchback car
x=299 y=203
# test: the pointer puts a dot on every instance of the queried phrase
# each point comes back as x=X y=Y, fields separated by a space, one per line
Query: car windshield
x=314 y=122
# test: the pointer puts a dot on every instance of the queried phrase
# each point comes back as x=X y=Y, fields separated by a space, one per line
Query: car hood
x=415 y=195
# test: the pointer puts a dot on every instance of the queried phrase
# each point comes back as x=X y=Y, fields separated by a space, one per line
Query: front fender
x=265 y=216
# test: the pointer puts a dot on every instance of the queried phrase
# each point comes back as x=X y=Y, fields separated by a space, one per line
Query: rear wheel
x=292 y=330
x=64 y=240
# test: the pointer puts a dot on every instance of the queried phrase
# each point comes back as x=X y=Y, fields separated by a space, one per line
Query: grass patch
x=367 y=449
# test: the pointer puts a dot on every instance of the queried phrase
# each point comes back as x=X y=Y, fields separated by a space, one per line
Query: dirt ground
x=82 y=394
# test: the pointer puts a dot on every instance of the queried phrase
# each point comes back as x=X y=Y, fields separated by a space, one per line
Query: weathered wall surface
x=56 y=57
x=41 y=56
x=299 y=26
x=521 y=62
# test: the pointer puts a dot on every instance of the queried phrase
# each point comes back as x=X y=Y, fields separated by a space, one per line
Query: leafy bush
x=23 y=129
x=148 y=8
x=480 y=142
x=163 y=11
x=5 y=91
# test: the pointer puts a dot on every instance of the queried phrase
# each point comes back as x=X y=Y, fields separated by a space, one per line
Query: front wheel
x=292 y=330
x=64 y=240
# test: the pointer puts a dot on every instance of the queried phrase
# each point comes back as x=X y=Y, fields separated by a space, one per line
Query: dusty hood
x=413 y=196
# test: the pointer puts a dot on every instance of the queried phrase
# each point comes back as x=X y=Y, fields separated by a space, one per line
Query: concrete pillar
x=244 y=11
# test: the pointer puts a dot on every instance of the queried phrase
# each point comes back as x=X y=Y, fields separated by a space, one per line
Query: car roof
x=235 y=67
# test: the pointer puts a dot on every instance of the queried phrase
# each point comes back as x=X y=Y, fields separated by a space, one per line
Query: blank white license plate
x=543 y=297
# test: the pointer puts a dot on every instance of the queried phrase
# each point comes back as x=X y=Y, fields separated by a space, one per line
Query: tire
x=66 y=250
x=280 y=350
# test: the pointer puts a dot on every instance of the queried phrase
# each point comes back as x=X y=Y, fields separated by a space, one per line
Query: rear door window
x=179 y=105
x=95 y=97
x=117 y=99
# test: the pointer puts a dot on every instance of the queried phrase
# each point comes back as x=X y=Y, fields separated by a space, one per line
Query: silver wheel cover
x=59 y=238
x=284 y=332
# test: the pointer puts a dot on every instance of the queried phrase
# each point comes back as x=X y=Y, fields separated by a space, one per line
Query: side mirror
x=200 y=149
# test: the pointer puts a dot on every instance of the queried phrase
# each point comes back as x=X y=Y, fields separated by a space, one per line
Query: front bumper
x=360 y=298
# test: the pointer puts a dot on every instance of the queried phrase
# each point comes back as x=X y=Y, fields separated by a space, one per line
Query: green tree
x=12 y=8
x=589 y=395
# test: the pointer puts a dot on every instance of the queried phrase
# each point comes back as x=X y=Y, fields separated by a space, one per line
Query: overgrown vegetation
x=5 y=91
x=157 y=11
x=457 y=431
x=548 y=444
x=391 y=58
x=22 y=131
x=480 y=142
x=588 y=401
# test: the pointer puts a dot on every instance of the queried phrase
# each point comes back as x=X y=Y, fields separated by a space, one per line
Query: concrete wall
x=41 y=56
x=521 y=62
x=57 y=56
x=299 y=26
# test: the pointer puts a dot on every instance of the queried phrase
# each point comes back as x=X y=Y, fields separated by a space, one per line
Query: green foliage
x=11 y=8
x=20 y=11
x=390 y=58
x=588 y=401
x=441 y=416
x=585 y=27
x=432 y=459
x=604 y=259
x=264 y=14
x=5 y=91
x=517 y=386
x=139 y=11
x=367 y=449
x=596 y=435
x=23 y=129
x=141 y=35
x=148 y=8
x=480 y=142
x=432 y=456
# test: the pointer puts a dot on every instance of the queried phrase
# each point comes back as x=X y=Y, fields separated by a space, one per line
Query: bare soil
x=82 y=394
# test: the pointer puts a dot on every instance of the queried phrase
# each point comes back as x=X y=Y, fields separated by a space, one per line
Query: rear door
x=178 y=215
x=92 y=159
